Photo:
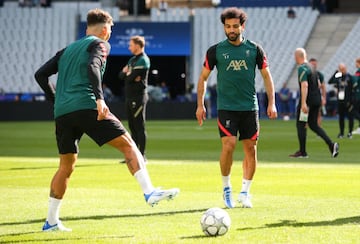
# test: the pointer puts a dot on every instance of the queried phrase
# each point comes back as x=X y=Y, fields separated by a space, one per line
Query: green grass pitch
x=314 y=200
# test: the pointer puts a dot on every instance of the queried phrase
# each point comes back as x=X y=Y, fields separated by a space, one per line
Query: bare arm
x=304 y=93
x=269 y=86
x=201 y=111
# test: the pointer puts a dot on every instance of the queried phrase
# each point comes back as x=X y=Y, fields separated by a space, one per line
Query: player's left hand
x=102 y=109
x=272 y=112
x=200 y=114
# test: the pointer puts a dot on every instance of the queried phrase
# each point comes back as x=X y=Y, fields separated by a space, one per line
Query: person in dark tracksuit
x=135 y=74
x=309 y=103
x=343 y=85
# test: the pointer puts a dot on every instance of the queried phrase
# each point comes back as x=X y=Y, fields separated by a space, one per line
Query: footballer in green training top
x=236 y=59
x=80 y=108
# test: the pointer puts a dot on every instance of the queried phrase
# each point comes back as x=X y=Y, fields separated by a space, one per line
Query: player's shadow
x=97 y=217
x=199 y=237
x=294 y=223
x=54 y=167
x=67 y=238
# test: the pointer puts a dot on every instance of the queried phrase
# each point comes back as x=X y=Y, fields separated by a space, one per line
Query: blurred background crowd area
x=178 y=34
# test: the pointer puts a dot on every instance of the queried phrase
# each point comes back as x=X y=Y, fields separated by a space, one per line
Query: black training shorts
x=246 y=123
x=70 y=127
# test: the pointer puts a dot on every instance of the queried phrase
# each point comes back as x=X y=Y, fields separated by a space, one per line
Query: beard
x=232 y=36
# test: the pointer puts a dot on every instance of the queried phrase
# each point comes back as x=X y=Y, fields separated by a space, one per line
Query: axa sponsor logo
x=237 y=65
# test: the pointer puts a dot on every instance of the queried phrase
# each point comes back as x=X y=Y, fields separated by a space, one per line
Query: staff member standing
x=343 y=84
x=135 y=74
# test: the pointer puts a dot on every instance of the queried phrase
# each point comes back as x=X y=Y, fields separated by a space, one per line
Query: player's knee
x=229 y=145
x=67 y=170
x=313 y=126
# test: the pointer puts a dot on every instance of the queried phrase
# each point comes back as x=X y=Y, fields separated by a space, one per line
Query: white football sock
x=54 y=209
x=246 y=185
x=226 y=181
x=142 y=176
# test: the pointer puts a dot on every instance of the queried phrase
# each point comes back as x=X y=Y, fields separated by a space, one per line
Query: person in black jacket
x=342 y=81
x=135 y=74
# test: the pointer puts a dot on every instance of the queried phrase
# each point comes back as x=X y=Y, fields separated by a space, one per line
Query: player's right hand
x=200 y=114
x=102 y=109
x=304 y=108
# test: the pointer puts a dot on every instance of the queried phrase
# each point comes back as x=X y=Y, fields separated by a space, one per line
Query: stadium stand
x=269 y=27
x=326 y=37
x=346 y=53
x=32 y=35
x=182 y=3
x=176 y=14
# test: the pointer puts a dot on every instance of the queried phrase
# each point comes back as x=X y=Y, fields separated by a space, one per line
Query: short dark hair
x=138 y=40
x=98 y=16
x=313 y=60
x=233 y=13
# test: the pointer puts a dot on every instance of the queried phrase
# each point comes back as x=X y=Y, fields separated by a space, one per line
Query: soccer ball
x=215 y=222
